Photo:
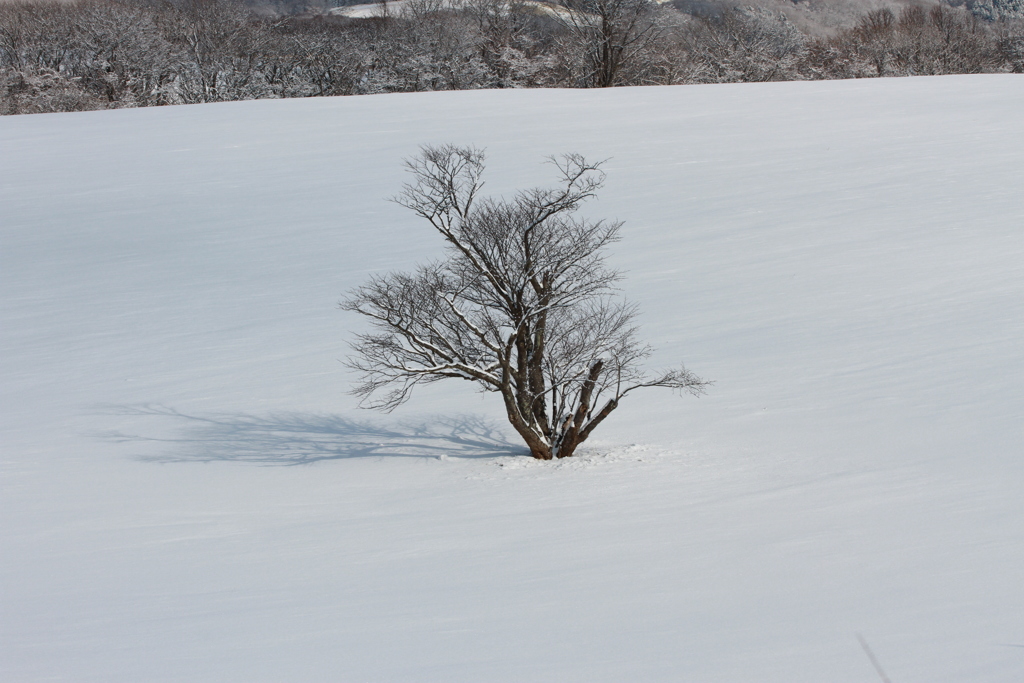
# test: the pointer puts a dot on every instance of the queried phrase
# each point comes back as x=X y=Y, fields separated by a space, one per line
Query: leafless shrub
x=42 y=90
x=514 y=43
x=522 y=305
x=744 y=45
x=317 y=59
x=942 y=40
x=433 y=47
x=1011 y=50
x=609 y=41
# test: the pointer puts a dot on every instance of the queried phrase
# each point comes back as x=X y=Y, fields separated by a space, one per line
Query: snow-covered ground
x=187 y=493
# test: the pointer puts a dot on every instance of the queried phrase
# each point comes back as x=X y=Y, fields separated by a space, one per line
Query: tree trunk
x=541 y=454
x=568 y=447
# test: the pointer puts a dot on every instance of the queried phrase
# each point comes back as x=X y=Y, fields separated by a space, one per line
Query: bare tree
x=522 y=305
x=744 y=44
x=511 y=42
x=608 y=35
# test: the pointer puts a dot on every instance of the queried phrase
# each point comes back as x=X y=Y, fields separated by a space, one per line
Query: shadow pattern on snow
x=303 y=438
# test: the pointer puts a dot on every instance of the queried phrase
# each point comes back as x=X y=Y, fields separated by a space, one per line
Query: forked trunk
x=540 y=450
x=565 y=450
x=542 y=453
x=568 y=447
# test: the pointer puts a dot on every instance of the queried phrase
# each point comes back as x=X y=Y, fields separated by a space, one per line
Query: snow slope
x=187 y=494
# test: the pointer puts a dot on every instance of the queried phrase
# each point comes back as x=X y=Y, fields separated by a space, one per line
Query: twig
x=874 y=660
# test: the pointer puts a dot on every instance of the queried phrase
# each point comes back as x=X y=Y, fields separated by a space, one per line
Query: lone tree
x=522 y=304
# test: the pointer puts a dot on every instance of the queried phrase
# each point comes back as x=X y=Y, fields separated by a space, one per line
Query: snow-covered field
x=187 y=493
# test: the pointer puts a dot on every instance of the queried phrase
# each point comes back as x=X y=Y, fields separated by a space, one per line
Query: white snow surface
x=188 y=494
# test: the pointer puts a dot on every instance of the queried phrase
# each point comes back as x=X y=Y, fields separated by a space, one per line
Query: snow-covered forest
x=188 y=493
x=98 y=54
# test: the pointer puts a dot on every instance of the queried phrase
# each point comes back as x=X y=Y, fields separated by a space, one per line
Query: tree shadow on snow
x=303 y=438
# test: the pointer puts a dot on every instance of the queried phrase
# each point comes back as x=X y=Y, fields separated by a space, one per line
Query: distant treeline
x=97 y=54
